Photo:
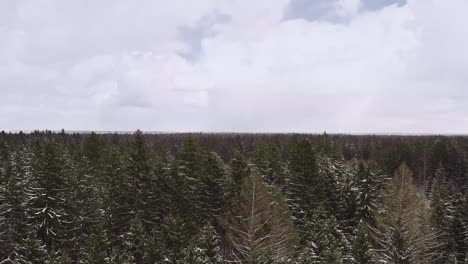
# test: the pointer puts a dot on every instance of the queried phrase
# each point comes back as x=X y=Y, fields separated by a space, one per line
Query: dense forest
x=232 y=198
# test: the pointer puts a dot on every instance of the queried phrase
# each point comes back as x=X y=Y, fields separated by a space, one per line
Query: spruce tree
x=96 y=249
x=12 y=202
x=134 y=241
x=239 y=171
x=114 y=194
x=32 y=250
x=142 y=199
x=46 y=201
x=362 y=252
x=213 y=190
x=304 y=188
x=188 y=173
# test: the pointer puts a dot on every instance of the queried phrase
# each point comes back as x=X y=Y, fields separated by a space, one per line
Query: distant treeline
x=232 y=198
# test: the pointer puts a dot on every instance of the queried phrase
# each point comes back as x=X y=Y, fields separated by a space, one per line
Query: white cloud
x=116 y=65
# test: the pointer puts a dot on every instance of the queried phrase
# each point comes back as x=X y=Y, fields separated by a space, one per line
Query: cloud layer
x=221 y=65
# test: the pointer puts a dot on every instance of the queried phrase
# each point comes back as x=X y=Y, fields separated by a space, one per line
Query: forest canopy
x=232 y=198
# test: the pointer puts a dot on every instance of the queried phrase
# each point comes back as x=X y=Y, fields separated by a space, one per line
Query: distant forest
x=232 y=198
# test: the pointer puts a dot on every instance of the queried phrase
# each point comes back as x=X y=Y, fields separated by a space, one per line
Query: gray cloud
x=282 y=65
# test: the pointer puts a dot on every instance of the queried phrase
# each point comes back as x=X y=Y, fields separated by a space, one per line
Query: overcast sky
x=359 y=66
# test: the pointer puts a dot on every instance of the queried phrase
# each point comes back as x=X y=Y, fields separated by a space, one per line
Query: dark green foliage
x=267 y=158
x=214 y=191
x=134 y=241
x=239 y=171
x=96 y=249
x=46 y=201
x=362 y=252
x=31 y=250
x=304 y=187
x=199 y=198
x=13 y=195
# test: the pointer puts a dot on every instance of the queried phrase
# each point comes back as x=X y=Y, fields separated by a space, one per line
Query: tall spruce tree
x=46 y=201
x=362 y=252
x=143 y=200
x=13 y=217
x=304 y=187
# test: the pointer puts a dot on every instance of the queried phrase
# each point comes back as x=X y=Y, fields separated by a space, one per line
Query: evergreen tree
x=267 y=158
x=46 y=202
x=58 y=257
x=362 y=252
x=368 y=185
x=188 y=174
x=142 y=199
x=113 y=193
x=213 y=190
x=258 y=223
x=404 y=233
x=239 y=171
x=209 y=245
x=96 y=249
x=12 y=198
x=458 y=228
x=32 y=250
x=304 y=187
x=134 y=241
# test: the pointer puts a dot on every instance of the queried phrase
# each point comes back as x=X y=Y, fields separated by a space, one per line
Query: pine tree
x=239 y=171
x=362 y=252
x=58 y=257
x=114 y=193
x=325 y=238
x=82 y=205
x=258 y=223
x=134 y=241
x=213 y=190
x=175 y=235
x=96 y=249
x=458 y=228
x=404 y=233
x=154 y=251
x=210 y=245
x=267 y=158
x=46 y=202
x=188 y=174
x=143 y=200
x=368 y=185
x=32 y=250
x=304 y=187
x=12 y=202
x=441 y=210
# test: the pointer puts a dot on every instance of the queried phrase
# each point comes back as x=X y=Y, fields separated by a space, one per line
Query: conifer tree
x=143 y=200
x=188 y=174
x=368 y=185
x=304 y=188
x=404 y=233
x=12 y=202
x=134 y=241
x=32 y=250
x=58 y=257
x=46 y=202
x=114 y=193
x=96 y=248
x=362 y=252
x=458 y=228
x=239 y=171
x=267 y=158
x=259 y=223
x=213 y=190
